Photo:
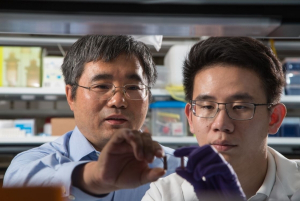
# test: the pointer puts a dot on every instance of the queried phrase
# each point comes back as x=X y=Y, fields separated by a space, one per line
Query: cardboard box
x=62 y=125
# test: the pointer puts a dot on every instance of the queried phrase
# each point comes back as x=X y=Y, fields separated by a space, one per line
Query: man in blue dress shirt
x=106 y=156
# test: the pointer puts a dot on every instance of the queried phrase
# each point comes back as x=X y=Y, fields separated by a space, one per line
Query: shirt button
x=71 y=197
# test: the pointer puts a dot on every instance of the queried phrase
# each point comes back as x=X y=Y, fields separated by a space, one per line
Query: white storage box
x=28 y=125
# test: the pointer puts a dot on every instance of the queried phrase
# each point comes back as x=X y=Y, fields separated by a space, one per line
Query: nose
x=222 y=122
x=118 y=99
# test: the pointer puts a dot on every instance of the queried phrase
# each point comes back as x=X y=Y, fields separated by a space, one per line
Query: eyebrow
x=242 y=96
x=102 y=77
x=205 y=97
x=237 y=96
x=135 y=77
x=106 y=76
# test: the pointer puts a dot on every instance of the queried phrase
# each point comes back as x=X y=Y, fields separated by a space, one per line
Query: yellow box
x=21 y=66
x=1 y=66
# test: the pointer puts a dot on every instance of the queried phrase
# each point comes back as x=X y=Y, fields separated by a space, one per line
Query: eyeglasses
x=235 y=110
x=106 y=91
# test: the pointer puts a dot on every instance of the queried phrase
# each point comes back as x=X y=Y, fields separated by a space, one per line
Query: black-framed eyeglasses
x=106 y=91
x=235 y=110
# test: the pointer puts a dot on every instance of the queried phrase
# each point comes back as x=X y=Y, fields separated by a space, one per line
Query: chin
x=226 y=157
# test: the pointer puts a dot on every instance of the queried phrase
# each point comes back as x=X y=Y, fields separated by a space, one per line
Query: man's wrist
x=82 y=178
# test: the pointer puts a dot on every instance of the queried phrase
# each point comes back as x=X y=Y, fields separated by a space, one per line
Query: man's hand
x=123 y=163
x=209 y=173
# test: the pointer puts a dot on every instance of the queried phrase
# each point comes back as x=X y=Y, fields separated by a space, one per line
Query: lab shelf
x=27 y=140
x=29 y=113
x=31 y=91
x=27 y=93
x=52 y=91
x=48 y=94
x=163 y=140
x=16 y=145
x=290 y=99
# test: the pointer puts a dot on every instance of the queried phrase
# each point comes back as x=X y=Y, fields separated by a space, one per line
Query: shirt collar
x=269 y=181
x=79 y=146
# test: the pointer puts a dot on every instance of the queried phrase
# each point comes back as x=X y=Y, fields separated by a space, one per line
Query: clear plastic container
x=168 y=118
x=162 y=75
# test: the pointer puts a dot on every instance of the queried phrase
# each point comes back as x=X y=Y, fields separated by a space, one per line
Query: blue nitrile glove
x=209 y=173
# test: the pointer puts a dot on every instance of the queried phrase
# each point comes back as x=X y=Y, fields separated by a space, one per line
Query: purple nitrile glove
x=209 y=173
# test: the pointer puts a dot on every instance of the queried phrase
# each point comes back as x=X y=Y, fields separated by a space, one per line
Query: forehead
x=228 y=83
x=122 y=67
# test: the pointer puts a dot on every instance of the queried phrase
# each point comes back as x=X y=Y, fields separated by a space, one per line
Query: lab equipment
x=165 y=163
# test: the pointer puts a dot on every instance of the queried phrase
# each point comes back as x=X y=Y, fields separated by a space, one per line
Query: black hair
x=243 y=52
x=92 y=48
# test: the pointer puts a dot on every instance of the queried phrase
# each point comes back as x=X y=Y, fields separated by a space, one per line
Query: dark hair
x=106 y=48
x=242 y=52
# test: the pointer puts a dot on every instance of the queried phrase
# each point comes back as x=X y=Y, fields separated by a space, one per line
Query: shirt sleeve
x=41 y=167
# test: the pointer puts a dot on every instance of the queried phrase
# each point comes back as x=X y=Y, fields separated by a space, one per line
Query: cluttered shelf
x=41 y=93
x=30 y=93
x=163 y=140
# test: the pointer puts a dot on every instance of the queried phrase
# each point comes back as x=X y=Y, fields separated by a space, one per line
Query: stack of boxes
x=26 y=67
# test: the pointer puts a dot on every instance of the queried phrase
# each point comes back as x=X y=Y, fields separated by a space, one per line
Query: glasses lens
x=136 y=91
x=205 y=109
x=133 y=91
x=103 y=90
x=240 y=111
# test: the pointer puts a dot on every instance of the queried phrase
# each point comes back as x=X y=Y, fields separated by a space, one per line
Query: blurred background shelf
x=48 y=94
x=31 y=93
x=290 y=99
x=272 y=141
x=35 y=113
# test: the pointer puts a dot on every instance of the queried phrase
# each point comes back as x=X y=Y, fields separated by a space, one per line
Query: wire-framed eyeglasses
x=106 y=91
x=235 y=110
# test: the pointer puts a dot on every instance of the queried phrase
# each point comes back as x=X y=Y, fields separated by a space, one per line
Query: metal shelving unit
x=273 y=141
x=27 y=93
x=47 y=94
x=287 y=145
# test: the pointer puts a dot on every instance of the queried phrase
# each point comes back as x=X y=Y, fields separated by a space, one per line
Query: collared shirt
x=53 y=163
x=265 y=190
x=282 y=183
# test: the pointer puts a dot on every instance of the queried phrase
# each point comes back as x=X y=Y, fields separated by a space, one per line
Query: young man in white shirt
x=233 y=86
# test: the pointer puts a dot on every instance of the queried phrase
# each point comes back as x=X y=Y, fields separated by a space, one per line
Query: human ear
x=189 y=114
x=277 y=115
x=70 y=100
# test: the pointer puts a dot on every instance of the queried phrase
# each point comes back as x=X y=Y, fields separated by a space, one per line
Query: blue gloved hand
x=209 y=173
